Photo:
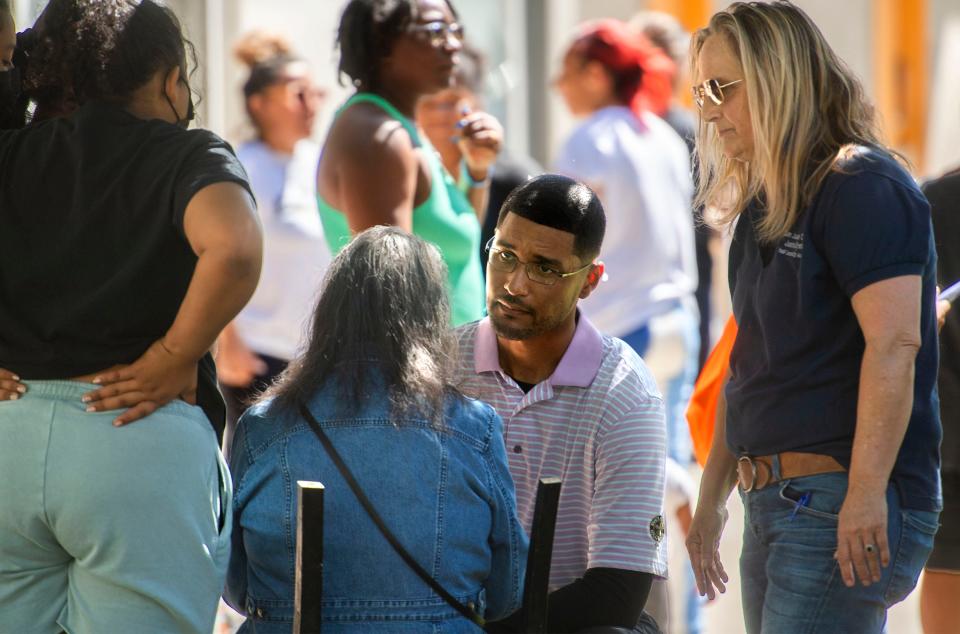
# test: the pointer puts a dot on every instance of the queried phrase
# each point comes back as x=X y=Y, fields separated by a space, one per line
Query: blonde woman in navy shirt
x=832 y=427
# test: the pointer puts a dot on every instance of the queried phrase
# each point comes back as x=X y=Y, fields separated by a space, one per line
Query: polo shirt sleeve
x=210 y=160
x=626 y=517
x=874 y=228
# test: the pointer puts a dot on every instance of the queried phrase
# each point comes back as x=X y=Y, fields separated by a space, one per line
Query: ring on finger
x=870 y=548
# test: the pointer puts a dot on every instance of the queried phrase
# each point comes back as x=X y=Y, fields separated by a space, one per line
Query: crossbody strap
x=389 y=536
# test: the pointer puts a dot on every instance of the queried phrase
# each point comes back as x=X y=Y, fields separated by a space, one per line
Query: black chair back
x=536 y=585
x=309 y=557
x=309 y=562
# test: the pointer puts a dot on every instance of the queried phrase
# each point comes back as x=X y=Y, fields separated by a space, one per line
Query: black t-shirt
x=795 y=366
x=944 y=197
x=94 y=262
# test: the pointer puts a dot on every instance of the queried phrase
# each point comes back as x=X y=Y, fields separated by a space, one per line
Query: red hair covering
x=643 y=74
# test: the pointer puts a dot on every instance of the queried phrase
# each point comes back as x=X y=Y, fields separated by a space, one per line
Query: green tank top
x=446 y=219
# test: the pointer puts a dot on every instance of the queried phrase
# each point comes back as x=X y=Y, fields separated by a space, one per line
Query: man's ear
x=593 y=278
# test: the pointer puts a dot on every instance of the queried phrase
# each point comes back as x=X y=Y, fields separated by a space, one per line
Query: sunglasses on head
x=711 y=89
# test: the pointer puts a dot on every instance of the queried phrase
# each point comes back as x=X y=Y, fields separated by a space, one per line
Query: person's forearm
x=604 y=597
x=720 y=473
x=480 y=197
x=222 y=284
x=884 y=404
x=229 y=336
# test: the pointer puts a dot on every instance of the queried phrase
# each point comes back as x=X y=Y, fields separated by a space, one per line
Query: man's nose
x=517 y=283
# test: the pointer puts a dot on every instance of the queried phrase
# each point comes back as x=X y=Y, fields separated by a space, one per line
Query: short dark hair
x=5 y=6
x=368 y=29
x=562 y=203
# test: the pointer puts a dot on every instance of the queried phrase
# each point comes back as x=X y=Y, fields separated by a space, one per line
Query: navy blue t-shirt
x=795 y=366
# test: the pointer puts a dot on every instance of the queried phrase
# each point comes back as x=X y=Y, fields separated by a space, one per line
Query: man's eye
x=506 y=256
x=543 y=269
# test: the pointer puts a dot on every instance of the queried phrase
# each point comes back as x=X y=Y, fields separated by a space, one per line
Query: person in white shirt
x=282 y=102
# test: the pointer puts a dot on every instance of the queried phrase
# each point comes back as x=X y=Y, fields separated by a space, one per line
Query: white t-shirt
x=640 y=168
x=295 y=253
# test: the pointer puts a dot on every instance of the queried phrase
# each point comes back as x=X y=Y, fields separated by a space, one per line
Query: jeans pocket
x=917 y=529
x=812 y=498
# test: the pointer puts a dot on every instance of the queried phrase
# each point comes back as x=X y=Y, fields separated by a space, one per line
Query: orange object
x=702 y=411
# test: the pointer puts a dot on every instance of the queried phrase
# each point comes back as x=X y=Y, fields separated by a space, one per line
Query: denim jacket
x=447 y=496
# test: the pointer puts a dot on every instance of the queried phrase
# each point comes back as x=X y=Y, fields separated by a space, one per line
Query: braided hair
x=368 y=29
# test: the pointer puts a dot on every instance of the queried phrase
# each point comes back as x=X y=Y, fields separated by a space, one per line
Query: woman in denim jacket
x=376 y=376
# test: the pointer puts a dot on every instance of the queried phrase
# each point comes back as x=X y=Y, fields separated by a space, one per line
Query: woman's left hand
x=862 y=547
x=480 y=140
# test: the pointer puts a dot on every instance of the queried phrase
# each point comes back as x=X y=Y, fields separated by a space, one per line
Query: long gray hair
x=384 y=302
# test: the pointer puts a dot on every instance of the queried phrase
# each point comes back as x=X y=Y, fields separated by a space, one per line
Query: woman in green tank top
x=376 y=167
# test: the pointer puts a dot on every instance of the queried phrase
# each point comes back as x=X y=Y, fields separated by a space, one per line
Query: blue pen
x=804 y=499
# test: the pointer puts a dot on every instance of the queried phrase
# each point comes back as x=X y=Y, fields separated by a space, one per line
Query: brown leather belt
x=756 y=472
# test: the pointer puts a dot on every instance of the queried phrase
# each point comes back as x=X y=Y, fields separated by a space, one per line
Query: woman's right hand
x=159 y=376
x=703 y=545
x=10 y=386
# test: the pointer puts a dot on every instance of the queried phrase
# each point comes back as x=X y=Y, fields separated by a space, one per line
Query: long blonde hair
x=805 y=105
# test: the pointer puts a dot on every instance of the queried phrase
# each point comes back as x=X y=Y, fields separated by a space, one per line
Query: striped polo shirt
x=598 y=424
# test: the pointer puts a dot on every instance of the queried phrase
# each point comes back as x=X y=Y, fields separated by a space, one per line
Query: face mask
x=185 y=122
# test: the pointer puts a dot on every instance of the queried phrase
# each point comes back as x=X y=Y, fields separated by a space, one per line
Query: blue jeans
x=790 y=582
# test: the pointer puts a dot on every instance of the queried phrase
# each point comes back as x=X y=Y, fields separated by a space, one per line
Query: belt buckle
x=747 y=460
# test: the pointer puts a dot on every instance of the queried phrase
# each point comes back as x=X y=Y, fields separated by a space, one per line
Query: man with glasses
x=576 y=404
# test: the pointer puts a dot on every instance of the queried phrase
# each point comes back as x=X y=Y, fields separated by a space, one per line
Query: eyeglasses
x=438 y=33
x=506 y=262
x=712 y=89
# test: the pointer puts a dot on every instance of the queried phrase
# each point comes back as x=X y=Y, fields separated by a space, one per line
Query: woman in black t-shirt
x=128 y=243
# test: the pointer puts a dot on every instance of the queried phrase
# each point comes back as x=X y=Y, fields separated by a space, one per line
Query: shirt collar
x=577 y=368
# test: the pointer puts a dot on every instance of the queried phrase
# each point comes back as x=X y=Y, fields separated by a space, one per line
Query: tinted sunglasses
x=712 y=89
